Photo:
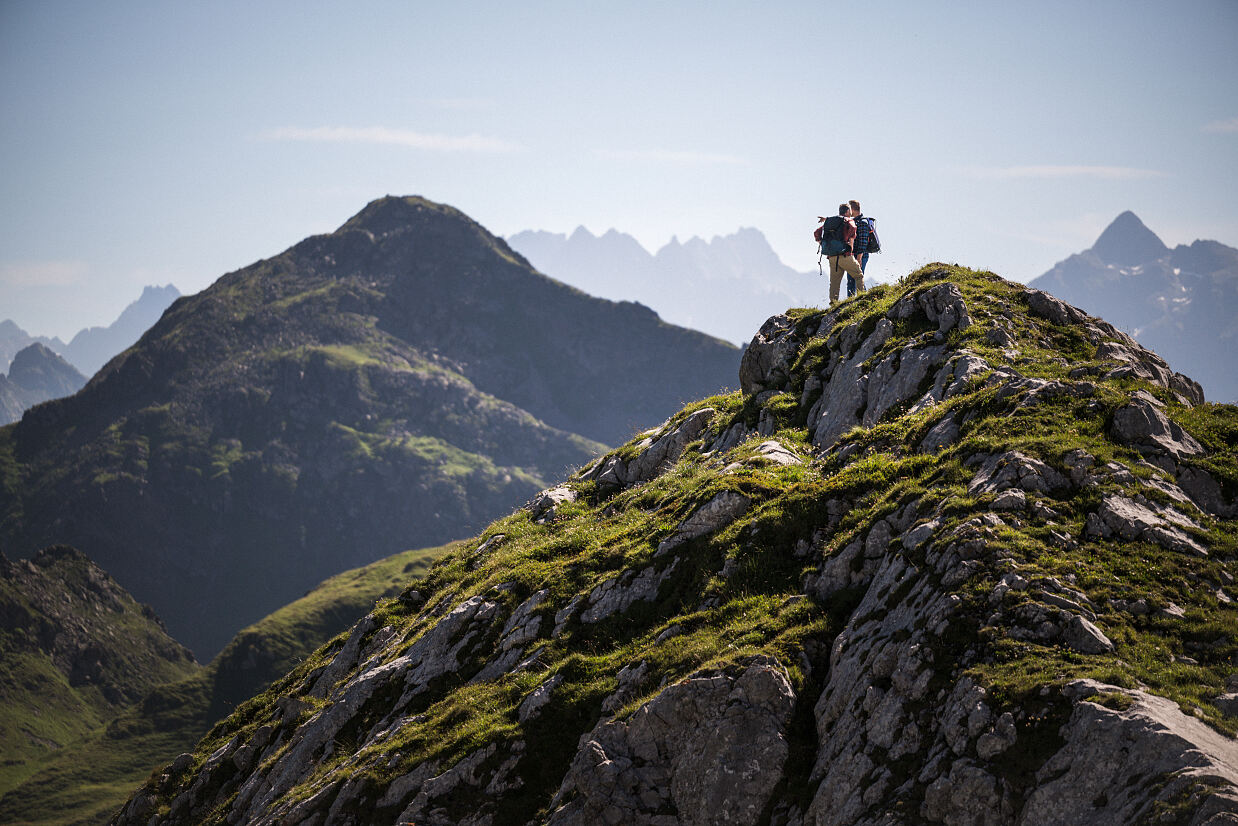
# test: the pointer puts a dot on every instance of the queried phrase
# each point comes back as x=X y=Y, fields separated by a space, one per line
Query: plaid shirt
x=862 y=231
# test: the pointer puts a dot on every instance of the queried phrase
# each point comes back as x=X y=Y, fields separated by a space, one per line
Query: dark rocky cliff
x=956 y=553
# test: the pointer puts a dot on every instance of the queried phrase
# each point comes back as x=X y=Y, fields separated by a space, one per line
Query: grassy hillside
x=911 y=521
x=104 y=756
x=75 y=649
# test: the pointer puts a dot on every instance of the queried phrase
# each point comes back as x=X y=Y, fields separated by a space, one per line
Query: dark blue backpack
x=832 y=236
x=874 y=243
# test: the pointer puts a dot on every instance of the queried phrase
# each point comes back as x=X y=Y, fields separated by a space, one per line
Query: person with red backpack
x=837 y=238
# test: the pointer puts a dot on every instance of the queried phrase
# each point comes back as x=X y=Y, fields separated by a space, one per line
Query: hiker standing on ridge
x=864 y=238
x=837 y=240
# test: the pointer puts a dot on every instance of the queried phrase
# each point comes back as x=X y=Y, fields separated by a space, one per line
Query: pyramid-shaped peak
x=1128 y=242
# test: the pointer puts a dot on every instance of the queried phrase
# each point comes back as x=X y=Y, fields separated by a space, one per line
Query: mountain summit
x=1128 y=242
x=36 y=374
x=397 y=383
x=955 y=553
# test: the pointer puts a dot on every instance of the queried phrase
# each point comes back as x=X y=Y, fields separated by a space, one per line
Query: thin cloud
x=382 y=135
x=1104 y=173
x=462 y=104
x=1227 y=127
x=682 y=158
x=43 y=273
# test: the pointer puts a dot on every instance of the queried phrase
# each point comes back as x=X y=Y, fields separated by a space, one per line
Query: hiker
x=864 y=236
x=837 y=239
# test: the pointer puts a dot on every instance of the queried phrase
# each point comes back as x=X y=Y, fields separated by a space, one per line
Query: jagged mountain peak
x=1127 y=242
x=943 y=558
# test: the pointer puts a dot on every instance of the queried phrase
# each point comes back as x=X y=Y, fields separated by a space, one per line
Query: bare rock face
x=1143 y=423
x=767 y=360
x=943 y=305
x=659 y=449
x=1115 y=761
x=715 y=514
x=708 y=750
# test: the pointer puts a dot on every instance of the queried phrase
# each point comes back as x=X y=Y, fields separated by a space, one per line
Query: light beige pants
x=840 y=264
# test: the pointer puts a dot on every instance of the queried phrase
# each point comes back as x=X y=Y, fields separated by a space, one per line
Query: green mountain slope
x=75 y=649
x=107 y=755
x=956 y=553
x=397 y=383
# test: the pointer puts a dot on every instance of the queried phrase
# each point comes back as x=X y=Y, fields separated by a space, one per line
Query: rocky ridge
x=956 y=553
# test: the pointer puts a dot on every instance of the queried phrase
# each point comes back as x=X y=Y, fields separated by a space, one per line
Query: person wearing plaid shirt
x=862 y=230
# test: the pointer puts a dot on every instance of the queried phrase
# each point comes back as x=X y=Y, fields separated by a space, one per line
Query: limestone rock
x=1088 y=779
x=537 y=699
x=1010 y=500
x=618 y=594
x=775 y=453
x=942 y=303
x=544 y=507
x=1206 y=492
x=838 y=409
x=1014 y=470
x=766 y=363
x=659 y=451
x=1141 y=363
x=943 y=434
x=1143 y=423
x=718 y=512
x=1053 y=309
x=1132 y=520
x=709 y=749
x=1084 y=637
x=897 y=378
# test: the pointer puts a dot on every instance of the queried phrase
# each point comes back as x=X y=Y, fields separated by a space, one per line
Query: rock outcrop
x=913 y=573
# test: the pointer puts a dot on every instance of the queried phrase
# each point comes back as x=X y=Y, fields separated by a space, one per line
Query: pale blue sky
x=145 y=143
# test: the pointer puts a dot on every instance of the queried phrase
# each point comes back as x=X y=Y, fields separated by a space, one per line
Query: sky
x=172 y=142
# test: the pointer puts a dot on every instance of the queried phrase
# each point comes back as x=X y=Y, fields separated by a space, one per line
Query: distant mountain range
x=36 y=375
x=1180 y=302
x=397 y=383
x=93 y=347
x=726 y=287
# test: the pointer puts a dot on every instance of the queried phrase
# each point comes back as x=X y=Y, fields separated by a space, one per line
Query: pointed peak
x=1127 y=242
